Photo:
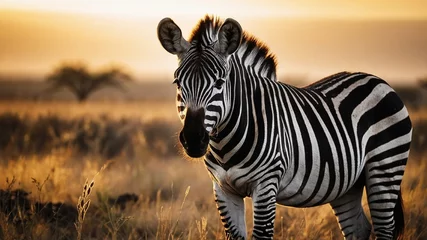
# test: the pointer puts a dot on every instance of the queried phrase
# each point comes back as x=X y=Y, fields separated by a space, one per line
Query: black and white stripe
x=294 y=146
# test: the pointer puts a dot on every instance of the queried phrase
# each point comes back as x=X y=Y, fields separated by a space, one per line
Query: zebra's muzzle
x=195 y=149
x=194 y=138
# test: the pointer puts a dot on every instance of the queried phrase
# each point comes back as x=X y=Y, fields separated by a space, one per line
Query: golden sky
x=385 y=37
x=270 y=8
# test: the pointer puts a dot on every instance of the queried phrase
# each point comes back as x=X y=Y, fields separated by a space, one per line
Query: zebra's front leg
x=232 y=211
x=264 y=207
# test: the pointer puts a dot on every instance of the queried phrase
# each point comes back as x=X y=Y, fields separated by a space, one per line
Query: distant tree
x=82 y=83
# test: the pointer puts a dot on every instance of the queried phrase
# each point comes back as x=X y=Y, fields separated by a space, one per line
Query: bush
x=419 y=136
x=103 y=136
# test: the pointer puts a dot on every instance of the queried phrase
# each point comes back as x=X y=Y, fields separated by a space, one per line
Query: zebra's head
x=202 y=77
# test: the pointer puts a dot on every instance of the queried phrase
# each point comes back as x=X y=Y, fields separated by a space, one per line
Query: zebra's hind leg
x=384 y=198
x=350 y=215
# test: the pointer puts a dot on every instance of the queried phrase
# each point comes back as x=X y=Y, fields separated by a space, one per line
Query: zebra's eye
x=219 y=83
x=176 y=81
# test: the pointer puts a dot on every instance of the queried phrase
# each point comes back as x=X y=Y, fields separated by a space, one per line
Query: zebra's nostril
x=205 y=138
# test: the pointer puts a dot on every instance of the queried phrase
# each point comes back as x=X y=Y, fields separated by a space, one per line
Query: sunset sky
x=240 y=8
x=310 y=38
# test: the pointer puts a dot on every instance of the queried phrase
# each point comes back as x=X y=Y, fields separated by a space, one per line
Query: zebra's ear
x=229 y=37
x=170 y=36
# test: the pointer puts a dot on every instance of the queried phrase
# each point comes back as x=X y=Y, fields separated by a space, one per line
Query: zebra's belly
x=308 y=193
x=315 y=191
x=299 y=200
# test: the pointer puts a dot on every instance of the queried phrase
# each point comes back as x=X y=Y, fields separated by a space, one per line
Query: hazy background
x=311 y=39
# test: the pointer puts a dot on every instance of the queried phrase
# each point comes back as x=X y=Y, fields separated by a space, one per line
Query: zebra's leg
x=264 y=207
x=384 y=198
x=232 y=211
x=350 y=215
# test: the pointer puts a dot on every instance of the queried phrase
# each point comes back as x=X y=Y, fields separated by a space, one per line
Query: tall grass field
x=114 y=170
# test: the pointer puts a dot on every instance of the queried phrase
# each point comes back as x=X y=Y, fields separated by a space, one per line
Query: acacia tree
x=82 y=83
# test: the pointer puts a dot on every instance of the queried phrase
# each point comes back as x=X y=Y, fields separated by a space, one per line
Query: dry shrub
x=161 y=137
x=104 y=136
x=419 y=136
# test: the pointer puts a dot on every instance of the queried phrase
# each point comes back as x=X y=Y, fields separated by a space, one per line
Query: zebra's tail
x=399 y=221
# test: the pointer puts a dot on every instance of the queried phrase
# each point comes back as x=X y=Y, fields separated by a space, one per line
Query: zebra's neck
x=255 y=57
x=240 y=137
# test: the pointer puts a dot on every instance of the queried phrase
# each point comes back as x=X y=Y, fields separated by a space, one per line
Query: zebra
x=280 y=144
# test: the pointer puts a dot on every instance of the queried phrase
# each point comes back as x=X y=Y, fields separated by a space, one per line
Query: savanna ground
x=143 y=187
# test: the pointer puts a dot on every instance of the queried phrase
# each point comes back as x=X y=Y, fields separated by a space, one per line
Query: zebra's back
x=328 y=80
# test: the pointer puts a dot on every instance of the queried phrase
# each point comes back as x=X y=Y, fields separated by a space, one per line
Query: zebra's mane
x=205 y=33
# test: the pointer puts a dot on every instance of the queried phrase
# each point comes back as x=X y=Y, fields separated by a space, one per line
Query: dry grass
x=83 y=203
x=174 y=195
